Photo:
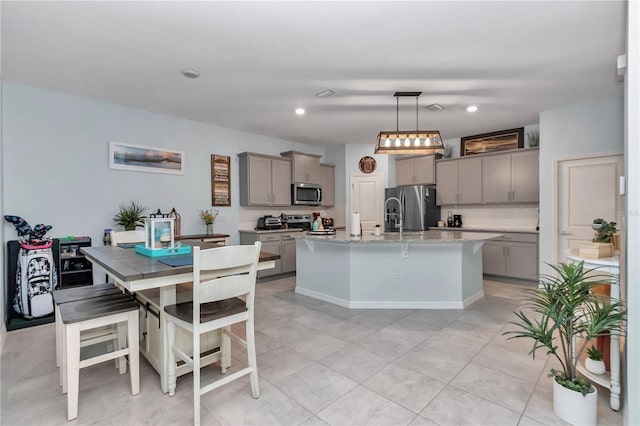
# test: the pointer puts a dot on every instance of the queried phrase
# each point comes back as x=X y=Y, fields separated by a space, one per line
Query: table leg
x=167 y=297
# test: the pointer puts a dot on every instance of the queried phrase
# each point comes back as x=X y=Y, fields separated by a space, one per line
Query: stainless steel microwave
x=306 y=194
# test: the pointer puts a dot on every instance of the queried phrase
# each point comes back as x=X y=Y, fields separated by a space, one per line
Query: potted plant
x=594 y=362
x=208 y=217
x=562 y=316
x=604 y=231
x=130 y=216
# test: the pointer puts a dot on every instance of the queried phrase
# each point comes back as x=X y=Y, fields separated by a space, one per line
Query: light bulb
x=397 y=141
x=417 y=142
x=387 y=142
x=407 y=142
x=427 y=142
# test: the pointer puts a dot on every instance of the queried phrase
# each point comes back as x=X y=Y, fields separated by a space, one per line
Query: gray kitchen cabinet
x=416 y=170
x=264 y=180
x=305 y=168
x=459 y=181
x=288 y=254
x=328 y=182
x=276 y=242
x=511 y=178
x=514 y=255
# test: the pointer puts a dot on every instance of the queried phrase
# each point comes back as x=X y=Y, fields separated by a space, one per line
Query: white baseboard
x=390 y=304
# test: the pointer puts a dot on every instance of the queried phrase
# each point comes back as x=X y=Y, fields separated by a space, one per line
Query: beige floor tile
x=354 y=362
x=363 y=407
x=405 y=387
x=315 y=386
x=279 y=363
x=389 y=344
x=457 y=407
x=432 y=363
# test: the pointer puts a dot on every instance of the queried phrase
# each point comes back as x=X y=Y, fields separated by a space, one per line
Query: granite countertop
x=497 y=228
x=269 y=231
x=434 y=236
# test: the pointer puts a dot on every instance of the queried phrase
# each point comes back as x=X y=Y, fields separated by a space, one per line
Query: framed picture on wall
x=504 y=140
x=142 y=158
x=220 y=180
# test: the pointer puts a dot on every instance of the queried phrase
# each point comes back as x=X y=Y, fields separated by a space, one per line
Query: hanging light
x=432 y=139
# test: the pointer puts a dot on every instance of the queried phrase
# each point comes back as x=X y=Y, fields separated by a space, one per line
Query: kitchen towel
x=355 y=224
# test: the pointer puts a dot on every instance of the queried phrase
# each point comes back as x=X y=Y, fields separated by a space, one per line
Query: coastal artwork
x=140 y=158
x=504 y=140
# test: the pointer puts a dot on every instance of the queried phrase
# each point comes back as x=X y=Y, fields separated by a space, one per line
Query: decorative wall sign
x=367 y=164
x=220 y=180
x=504 y=140
x=141 y=158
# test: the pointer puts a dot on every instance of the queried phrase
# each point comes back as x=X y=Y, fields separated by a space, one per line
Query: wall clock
x=367 y=164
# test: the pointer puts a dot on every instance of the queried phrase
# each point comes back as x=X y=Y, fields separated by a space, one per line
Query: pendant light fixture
x=408 y=142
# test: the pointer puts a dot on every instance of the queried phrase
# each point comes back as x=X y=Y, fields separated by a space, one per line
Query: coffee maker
x=457 y=220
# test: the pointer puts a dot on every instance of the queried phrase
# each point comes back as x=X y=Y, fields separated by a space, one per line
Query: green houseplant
x=560 y=317
x=604 y=230
x=130 y=216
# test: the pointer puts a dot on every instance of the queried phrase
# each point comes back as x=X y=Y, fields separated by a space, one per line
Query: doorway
x=367 y=198
x=588 y=188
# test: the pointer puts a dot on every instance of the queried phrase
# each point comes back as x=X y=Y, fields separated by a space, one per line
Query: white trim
x=374 y=304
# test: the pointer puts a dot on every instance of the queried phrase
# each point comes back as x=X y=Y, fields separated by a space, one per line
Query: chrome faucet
x=397 y=215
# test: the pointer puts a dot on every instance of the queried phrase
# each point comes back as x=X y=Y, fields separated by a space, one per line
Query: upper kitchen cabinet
x=305 y=168
x=416 y=170
x=459 y=181
x=264 y=180
x=511 y=178
x=328 y=182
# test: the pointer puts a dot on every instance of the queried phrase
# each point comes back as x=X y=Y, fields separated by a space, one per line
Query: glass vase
x=208 y=229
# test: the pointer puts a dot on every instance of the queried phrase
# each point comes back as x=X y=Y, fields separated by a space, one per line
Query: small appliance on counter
x=269 y=222
x=301 y=221
x=327 y=222
x=457 y=220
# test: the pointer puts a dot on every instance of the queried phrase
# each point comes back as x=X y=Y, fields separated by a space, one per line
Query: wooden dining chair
x=88 y=314
x=124 y=237
x=220 y=277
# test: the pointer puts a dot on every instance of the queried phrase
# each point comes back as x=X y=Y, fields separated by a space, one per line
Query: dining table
x=136 y=273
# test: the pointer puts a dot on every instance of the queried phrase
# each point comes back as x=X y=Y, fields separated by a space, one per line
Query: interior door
x=367 y=198
x=588 y=189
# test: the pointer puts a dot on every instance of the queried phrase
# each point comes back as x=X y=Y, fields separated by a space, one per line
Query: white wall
x=595 y=127
x=56 y=170
x=632 y=269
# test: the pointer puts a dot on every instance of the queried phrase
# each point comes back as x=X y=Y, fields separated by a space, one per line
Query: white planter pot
x=596 y=367
x=573 y=407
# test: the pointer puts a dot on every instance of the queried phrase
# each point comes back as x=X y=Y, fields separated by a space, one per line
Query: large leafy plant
x=562 y=310
x=130 y=216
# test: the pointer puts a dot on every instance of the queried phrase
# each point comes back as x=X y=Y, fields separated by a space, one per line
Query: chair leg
x=225 y=349
x=122 y=340
x=72 y=344
x=251 y=355
x=58 y=336
x=63 y=358
x=171 y=341
x=134 y=352
x=196 y=377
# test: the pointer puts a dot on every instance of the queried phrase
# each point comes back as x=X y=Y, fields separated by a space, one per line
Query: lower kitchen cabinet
x=277 y=243
x=514 y=255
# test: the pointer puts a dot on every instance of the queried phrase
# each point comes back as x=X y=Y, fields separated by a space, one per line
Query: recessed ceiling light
x=472 y=108
x=325 y=93
x=189 y=73
x=300 y=111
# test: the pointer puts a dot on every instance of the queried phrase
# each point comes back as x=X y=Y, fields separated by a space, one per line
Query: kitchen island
x=417 y=270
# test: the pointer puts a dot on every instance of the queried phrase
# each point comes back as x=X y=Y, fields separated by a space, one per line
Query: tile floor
x=319 y=364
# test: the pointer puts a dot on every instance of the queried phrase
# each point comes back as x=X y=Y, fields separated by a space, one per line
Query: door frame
x=555 y=202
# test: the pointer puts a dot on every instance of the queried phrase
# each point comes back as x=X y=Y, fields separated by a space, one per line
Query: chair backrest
x=224 y=272
x=122 y=237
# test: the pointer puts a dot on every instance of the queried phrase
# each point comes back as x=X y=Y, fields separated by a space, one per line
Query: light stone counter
x=418 y=270
x=433 y=236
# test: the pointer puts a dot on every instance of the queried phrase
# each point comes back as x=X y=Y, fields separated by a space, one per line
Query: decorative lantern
x=159 y=241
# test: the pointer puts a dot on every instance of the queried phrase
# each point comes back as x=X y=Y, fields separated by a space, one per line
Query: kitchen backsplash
x=496 y=216
x=248 y=216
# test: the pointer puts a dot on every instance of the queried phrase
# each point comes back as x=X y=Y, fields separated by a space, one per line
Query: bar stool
x=87 y=314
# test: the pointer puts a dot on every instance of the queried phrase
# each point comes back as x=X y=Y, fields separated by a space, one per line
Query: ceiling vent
x=435 y=107
x=325 y=93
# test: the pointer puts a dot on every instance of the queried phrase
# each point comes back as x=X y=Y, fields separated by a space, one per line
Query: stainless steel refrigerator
x=419 y=210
